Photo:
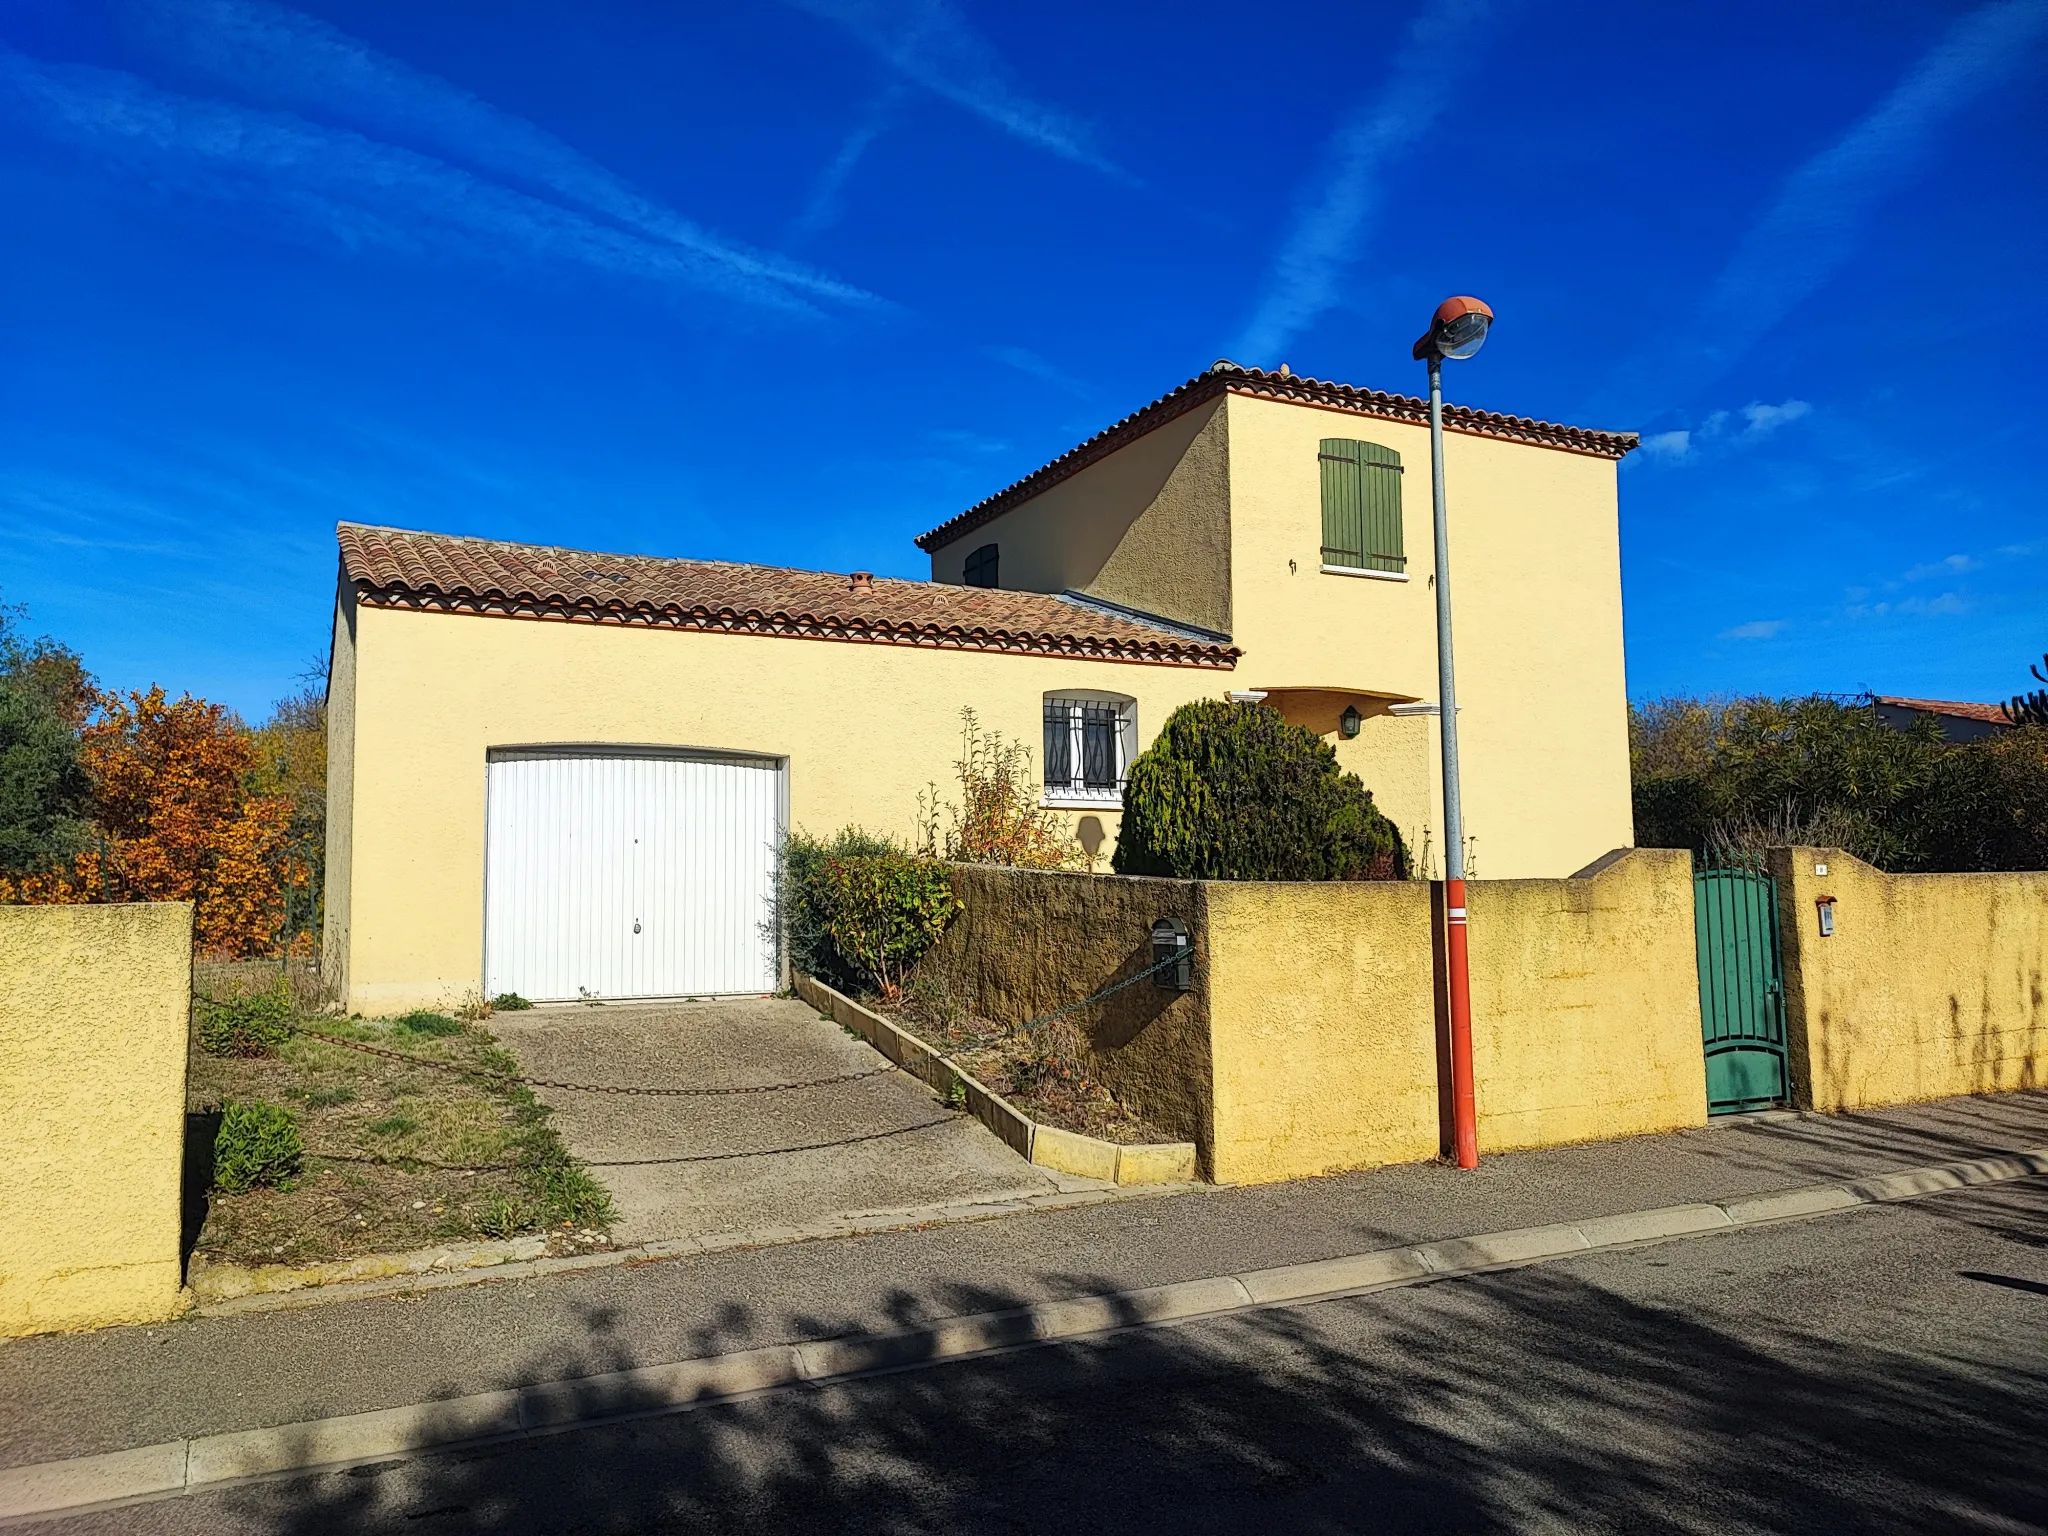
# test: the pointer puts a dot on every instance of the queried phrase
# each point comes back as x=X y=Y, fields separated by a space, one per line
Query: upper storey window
x=1361 y=507
x=981 y=567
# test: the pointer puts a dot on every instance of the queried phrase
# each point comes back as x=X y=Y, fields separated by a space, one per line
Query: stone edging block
x=1087 y=1157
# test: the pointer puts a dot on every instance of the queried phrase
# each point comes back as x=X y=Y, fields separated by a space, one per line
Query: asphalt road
x=75 y=1395
x=1883 y=1370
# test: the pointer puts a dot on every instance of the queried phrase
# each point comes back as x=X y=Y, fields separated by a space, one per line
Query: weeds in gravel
x=398 y=1154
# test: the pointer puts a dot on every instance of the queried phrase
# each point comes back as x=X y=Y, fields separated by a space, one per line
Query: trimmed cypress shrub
x=1233 y=792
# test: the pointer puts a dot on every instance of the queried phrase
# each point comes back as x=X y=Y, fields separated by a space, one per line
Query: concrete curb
x=186 y=1466
x=413 y=1271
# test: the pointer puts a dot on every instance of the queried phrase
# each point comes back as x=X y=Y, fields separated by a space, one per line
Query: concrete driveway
x=683 y=1167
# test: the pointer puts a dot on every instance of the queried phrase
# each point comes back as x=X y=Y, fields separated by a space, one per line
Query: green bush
x=254 y=1025
x=883 y=910
x=1705 y=770
x=1233 y=792
x=509 y=1002
x=1727 y=778
x=257 y=1143
x=424 y=1021
x=802 y=901
x=1986 y=806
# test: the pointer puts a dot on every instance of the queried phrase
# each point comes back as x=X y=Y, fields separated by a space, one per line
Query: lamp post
x=1458 y=329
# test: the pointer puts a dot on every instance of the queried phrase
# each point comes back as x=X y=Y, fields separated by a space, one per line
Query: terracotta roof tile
x=1994 y=713
x=1228 y=378
x=394 y=567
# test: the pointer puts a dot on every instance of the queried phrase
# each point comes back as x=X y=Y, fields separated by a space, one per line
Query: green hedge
x=1233 y=792
x=858 y=911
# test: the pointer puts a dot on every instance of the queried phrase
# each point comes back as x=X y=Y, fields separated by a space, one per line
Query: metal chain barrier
x=1114 y=987
x=617 y=1088
x=636 y=1091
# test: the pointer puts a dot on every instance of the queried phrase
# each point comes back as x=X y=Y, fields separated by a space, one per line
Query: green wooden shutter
x=1361 y=505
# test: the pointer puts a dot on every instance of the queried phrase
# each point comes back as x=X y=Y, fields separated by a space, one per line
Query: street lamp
x=1458 y=329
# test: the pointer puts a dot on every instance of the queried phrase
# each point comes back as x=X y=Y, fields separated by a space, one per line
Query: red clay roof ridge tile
x=1226 y=377
x=453 y=573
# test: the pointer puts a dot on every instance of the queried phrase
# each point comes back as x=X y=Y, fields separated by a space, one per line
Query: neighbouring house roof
x=1992 y=713
x=447 y=573
x=1225 y=377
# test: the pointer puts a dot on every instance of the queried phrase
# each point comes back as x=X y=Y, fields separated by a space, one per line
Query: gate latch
x=1170 y=942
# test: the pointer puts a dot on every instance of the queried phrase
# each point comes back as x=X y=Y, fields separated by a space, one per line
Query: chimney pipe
x=861 y=581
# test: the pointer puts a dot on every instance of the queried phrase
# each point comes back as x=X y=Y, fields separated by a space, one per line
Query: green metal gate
x=1742 y=989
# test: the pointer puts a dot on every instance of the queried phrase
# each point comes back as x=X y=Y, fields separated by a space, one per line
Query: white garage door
x=630 y=874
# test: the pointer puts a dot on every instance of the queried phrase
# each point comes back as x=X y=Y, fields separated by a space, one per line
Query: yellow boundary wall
x=94 y=1009
x=1930 y=985
x=1310 y=1041
x=1586 y=1003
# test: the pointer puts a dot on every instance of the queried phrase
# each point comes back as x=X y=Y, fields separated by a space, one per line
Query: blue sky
x=792 y=283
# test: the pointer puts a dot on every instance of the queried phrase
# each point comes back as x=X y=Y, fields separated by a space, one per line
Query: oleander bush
x=1233 y=792
x=1729 y=777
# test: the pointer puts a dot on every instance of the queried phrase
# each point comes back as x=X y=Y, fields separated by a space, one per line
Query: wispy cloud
x=1755 y=629
x=1723 y=430
x=1330 y=226
x=1951 y=565
x=827 y=198
x=1025 y=361
x=1947 y=605
x=1817 y=222
x=306 y=70
x=934 y=48
x=356 y=190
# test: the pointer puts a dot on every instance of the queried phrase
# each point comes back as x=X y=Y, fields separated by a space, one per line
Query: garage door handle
x=636 y=925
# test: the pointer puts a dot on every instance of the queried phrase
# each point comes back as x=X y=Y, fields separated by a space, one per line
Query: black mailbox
x=1170 y=942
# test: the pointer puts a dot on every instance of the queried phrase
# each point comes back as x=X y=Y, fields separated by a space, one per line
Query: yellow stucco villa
x=564 y=774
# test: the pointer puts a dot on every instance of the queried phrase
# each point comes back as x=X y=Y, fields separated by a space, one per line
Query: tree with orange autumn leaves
x=179 y=814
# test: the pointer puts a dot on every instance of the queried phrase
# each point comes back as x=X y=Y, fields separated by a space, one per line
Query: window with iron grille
x=1089 y=742
x=980 y=570
x=1361 y=507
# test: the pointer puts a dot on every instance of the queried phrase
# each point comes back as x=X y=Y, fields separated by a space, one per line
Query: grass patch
x=422 y=1021
x=397 y=1155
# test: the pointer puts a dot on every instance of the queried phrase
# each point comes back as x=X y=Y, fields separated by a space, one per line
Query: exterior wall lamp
x=1348 y=722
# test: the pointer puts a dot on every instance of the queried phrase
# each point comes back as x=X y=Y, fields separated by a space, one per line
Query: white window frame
x=1075 y=795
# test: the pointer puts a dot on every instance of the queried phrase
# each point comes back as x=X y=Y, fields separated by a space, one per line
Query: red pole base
x=1464 y=1103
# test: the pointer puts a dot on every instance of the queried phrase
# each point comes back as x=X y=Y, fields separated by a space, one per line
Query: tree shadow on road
x=1536 y=1400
